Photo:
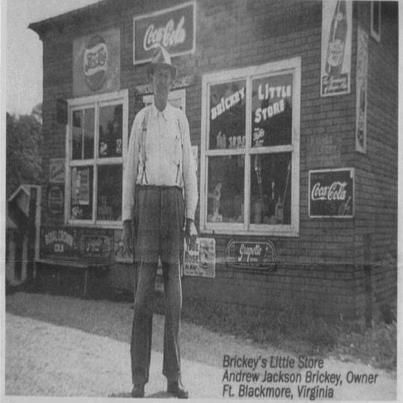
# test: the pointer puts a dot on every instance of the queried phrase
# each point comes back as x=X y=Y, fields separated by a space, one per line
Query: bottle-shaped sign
x=337 y=39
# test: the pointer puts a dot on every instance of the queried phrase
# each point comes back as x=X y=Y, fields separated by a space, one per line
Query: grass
x=297 y=330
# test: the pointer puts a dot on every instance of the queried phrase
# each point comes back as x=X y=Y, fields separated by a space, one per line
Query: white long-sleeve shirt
x=167 y=154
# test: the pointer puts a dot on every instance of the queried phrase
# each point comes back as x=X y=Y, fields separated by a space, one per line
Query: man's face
x=161 y=80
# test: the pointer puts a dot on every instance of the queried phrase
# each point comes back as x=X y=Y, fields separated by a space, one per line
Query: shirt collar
x=165 y=113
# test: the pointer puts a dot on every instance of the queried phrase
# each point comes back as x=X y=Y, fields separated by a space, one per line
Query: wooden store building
x=293 y=109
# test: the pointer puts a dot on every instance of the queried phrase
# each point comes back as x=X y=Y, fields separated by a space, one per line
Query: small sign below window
x=251 y=254
x=331 y=193
x=200 y=260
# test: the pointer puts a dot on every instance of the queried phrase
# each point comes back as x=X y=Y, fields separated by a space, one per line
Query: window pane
x=109 y=192
x=270 y=189
x=272 y=110
x=110 y=131
x=83 y=134
x=227 y=115
x=225 y=189
x=81 y=193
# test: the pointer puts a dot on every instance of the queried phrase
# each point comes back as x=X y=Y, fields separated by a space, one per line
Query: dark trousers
x=140 y=348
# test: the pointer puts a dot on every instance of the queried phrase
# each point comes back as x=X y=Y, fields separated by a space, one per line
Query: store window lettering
x=226 y=103
x=227 y=115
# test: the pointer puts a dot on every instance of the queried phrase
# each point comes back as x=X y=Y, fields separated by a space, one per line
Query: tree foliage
x=23 y=150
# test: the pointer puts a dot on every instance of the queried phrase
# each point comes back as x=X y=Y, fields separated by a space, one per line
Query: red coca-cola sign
x=331 y=193
x=173 y=28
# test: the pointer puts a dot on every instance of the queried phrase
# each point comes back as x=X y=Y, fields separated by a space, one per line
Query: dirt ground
x=63 y=346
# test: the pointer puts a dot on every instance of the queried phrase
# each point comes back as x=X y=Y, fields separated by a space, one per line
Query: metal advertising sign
x=59 y=242
x=201 y=260
x=361 y=94
x=331 y=193
x=174 y=28
x=96 y=63
x=55 y=199
x=336 y=47
x=248 y=254
x=56 y=170
x=73 y=243
x=97 y=243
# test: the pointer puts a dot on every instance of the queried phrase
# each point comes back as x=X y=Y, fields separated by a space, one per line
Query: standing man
x=159 y=203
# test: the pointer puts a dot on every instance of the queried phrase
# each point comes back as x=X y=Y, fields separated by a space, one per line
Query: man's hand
x=127 y=237
x=190 y=233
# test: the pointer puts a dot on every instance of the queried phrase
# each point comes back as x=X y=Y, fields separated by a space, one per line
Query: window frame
x=288 y=66
x=376 y=34
x=96 y=102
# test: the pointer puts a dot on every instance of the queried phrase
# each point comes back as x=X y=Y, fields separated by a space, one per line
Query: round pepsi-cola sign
x=95 y=62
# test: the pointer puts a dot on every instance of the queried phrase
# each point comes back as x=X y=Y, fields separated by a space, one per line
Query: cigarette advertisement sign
x=96 y=63
x=200 y=260
x=336 y=47
x=173 y=28
x=246 y=254
x=331 y=193
x=361 y=94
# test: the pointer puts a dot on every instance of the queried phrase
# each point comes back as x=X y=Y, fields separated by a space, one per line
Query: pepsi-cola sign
x=173 y=28
x=96 y=63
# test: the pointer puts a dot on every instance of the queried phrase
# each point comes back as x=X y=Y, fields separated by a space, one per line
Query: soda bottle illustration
x=337 y=39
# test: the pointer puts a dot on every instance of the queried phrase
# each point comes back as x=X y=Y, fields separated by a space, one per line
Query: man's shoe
x=138 y=390
x=178 y=390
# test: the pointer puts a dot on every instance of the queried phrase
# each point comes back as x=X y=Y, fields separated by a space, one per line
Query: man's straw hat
x=161 y=57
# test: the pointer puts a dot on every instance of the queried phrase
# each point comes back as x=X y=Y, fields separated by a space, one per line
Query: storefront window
x=83 y=134
x=81 y=192
x=98 y=142
x=226 y=189
x=109 y=193
x=110 y=131
x=250 y=166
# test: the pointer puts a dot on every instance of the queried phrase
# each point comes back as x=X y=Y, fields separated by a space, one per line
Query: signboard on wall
x=173 y=28
x=336 y=47
x=96 y=63
x=55 y=198
x=361 y=91
x=59 y=242
x=248 y=254
x=56 y=170
x=200 y=261
x=331 y=193
x=74 y=243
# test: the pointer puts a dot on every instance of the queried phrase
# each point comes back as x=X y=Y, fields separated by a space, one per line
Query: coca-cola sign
x=173 y=28
x=331 y=193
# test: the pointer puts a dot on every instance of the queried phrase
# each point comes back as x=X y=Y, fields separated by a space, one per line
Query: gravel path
x=61 y=346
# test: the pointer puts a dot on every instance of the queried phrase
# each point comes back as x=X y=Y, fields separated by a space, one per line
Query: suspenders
x=142 y=164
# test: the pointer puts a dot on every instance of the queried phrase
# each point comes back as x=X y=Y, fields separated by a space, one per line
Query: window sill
x=90 y=224
x=264 y=230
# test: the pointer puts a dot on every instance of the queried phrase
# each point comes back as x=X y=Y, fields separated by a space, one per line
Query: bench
x=86 y=266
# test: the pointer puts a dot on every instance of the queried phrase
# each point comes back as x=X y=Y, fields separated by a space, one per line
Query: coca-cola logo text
x=167 y=35
x=336 y=191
